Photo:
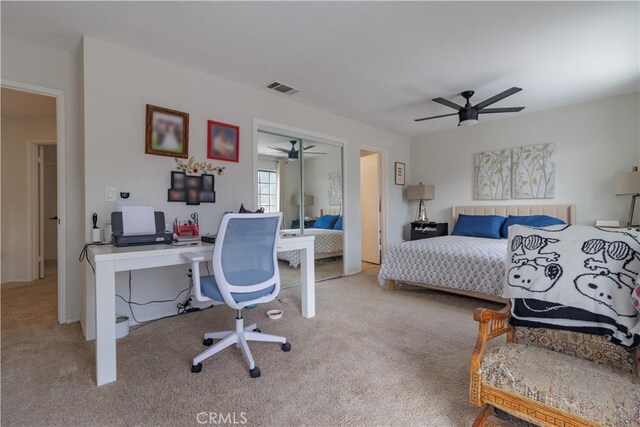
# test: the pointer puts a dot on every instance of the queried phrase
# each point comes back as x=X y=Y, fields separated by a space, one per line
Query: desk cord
x=85 y=248
x=130 y=302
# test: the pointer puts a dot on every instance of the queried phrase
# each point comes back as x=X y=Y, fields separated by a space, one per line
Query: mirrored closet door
x=303 y=180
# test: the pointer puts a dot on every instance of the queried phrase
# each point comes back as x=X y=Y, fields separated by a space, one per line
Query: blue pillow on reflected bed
x=326 y=221
x=530 y=220
x=478 y=226
x=338 y=224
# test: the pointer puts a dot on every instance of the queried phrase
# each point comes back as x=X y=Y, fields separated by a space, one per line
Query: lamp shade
x=421 y=192
x=308 y=199
x=627 y=183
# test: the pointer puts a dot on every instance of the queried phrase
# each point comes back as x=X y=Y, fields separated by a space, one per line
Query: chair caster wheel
x=286 y=346
x=255 y=372
x=196 y=368
x=257 y=330
x=207 y=342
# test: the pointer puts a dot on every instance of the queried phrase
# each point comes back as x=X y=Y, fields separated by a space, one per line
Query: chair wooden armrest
x=492 y=324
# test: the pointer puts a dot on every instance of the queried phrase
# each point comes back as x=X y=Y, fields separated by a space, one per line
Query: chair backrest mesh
x=248 y=250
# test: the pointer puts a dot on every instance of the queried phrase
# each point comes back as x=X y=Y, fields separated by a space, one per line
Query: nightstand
x=424 y=230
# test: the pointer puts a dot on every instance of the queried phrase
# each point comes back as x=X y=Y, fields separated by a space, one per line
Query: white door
x=370 y=206
x=41 y=211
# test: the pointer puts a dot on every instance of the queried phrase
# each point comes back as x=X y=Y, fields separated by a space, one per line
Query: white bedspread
x=469 y=263
x=327 y=241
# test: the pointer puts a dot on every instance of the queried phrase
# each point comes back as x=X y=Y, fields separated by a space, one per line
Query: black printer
x=120 y=239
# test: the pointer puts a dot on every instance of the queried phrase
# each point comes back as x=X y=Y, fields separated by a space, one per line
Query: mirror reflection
x=303 y=180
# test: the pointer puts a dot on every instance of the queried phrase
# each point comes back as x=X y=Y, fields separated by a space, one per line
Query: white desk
x=100 y=301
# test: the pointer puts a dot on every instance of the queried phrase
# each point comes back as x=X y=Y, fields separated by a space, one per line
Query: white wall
x=119 y=82
x=593 y=141
x=16 y=131
x=28 y=63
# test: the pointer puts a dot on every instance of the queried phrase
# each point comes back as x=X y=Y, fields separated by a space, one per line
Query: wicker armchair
x=552 y=377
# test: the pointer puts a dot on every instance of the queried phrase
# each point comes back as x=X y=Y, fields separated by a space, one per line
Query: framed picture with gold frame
x=167 y=132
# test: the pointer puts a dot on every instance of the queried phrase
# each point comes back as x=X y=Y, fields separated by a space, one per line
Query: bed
x=328 y=244
x=328 y=241
x=472 y=266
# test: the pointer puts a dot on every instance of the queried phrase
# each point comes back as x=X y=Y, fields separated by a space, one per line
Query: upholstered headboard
x=567 y=213
x=331 y=211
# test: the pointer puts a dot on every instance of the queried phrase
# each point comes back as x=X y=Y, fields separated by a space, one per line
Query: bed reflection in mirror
x=303 y=180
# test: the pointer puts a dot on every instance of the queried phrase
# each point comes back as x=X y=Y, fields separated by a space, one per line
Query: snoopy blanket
x=575 y=277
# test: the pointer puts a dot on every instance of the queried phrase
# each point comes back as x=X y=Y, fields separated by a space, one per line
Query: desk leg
x=106 y=368
x=308 y=273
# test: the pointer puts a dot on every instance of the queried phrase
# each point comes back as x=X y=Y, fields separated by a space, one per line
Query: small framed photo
x=193 y=182
x=176 y=195
x=167 y=132
x=207 y=196
x=193 y=196
x=399 y=173
x=223 y=141
x=207 y=182
x=177 y=180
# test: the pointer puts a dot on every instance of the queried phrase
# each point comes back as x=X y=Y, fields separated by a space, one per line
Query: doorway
x=32 y=141
x=370 y=207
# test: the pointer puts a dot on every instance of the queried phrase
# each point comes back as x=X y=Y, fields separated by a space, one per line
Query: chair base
x=240 y=336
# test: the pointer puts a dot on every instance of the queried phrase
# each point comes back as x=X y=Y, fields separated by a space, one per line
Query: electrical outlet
x=110 y=194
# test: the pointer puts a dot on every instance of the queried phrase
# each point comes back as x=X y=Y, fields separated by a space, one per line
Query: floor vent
x=282 y=88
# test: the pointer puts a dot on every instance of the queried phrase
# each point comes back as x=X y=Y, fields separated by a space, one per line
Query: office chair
x=245 y=272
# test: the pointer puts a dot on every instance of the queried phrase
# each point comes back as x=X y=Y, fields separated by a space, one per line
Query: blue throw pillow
x=478 y=226
x=326 y=221
x=338 y=224
x=530 y=220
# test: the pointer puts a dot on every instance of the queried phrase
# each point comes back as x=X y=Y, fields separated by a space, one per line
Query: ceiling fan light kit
x=468 y=115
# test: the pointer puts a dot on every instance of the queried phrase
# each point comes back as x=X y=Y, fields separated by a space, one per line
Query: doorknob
x=54 y=217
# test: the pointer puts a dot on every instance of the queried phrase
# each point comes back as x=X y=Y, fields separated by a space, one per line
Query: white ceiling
x=377 y=62
x=267 y=140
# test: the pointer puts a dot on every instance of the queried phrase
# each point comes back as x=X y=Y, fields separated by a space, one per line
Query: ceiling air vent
x=282 y=88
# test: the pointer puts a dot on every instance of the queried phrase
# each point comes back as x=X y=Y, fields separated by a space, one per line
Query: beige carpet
x=370 y=357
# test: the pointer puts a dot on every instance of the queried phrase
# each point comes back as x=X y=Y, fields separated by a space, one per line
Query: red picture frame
x=223 y=141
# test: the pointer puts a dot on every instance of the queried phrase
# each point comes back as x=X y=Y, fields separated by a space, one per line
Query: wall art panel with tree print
x=492 y=172
x=534 y=171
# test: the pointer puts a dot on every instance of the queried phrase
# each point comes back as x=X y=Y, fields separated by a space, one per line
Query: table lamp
x=625 y=184
x=421 y=192
x=308 y=200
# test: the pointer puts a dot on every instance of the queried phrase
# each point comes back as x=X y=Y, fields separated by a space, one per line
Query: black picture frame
x=178 y=180
x=207 y=196
x=176 y=195
x=193 y=182
x=193 y=195
x=208 y=182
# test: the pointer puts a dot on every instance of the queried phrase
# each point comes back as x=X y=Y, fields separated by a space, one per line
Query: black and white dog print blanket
x=575 y=277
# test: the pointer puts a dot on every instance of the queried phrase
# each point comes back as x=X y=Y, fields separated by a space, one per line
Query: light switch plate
x=110 y=194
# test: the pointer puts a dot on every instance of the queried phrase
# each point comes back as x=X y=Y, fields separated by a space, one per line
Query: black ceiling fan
x=468 y=115
x=293 y=154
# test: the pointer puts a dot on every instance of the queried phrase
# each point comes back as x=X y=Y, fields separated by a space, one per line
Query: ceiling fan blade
x=500 y=110
x=447 y=103
x=497 y=98
x=435 y=117
x=284 y=150
x=309 y=146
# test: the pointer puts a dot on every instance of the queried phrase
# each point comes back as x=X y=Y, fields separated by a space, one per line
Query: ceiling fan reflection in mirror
x=294 y=154
x=468 y=115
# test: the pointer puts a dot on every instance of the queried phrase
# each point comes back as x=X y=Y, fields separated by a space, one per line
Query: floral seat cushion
x=567 y=383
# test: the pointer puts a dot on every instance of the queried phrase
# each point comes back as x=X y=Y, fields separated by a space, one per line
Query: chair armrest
x=195 y=259
x=492 y=324
x=193 y=256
